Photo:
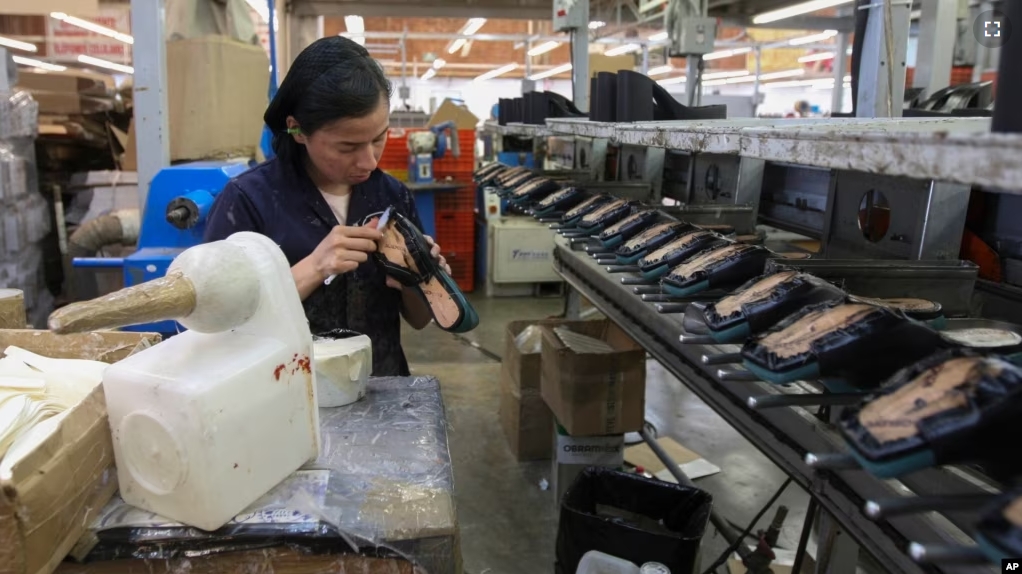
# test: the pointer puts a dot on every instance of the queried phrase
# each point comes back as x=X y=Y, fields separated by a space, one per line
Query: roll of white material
x=342 y=369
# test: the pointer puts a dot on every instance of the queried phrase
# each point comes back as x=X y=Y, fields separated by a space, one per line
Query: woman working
x=321 y=196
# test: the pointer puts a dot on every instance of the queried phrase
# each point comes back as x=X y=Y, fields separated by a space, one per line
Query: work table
x=383 y=479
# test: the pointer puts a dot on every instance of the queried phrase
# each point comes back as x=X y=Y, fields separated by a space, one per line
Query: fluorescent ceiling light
x=627 y=48
x=816 y=57
x=429 y=74
x=847 y=79
x=439 y=63
x=792 y=84
x=473 y=26
x=106 y=64
x=728 y=74
x=660 y=70
x=741 y=79
x=92 y=27
x=544 y=48
x=670 y=81
x=726 y=53
x=595 y=24
x=715 y=83
x=826 y=34
x=551 y=72
x=797 y=10
x=494 y=73
x=38 y=64
x=18 y=45
x=658 y=37
x=782 y=74
x=457 y=45
x=356 y=28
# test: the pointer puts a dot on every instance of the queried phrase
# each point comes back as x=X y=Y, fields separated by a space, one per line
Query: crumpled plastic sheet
x=382 y=485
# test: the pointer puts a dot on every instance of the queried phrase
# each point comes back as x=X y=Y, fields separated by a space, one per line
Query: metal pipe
x=803 y=540
x=722 y=525
x=881 y=509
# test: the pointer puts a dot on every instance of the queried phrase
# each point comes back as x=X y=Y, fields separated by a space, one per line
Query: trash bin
x=631 y=517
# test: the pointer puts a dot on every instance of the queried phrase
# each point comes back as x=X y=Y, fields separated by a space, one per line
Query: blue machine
x=426 y=146
x=173 y=220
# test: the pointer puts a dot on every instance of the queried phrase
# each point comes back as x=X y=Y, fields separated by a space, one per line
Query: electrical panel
x=571 y=15
x=693 y=36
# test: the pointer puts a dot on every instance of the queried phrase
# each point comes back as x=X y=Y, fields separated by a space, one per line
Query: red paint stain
x=305 y=364
x=277 y=371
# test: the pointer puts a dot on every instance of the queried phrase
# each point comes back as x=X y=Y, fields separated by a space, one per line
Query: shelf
x=518 y=130
x=958 y=150
x=582 y=127
x=785 y=435
x=705 y=136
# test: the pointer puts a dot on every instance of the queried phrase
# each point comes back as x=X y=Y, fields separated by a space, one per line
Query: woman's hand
x=434 y=252
x=341 y=251
x=344 y=249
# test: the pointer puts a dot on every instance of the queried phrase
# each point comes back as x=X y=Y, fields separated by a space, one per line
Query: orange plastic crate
x=462 y=200
x=455 y=232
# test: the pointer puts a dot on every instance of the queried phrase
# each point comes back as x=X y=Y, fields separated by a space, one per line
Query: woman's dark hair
x=333 y=78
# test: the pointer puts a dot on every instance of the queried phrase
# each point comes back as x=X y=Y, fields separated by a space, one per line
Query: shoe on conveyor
x=573 y=216
x=953 y=407
x=649 y=240
x=533 y=191
x=657 y=263
x=724 y=267
x=623 y=230
x=405 y=256
x=604 y=216
x=558 y=202
x=763 y=302
x=860 y=343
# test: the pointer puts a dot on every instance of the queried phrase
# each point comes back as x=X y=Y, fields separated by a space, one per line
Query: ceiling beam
x=505 y=9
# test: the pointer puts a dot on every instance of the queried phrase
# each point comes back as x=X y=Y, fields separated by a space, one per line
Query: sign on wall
x=65 y=42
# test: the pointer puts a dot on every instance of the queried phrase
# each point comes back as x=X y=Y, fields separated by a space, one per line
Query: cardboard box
x=216 y=95
x=574 y=454
x=56 y=489
x=594 y=394
x=457 y=113
x=71 y=92
x=526 y=419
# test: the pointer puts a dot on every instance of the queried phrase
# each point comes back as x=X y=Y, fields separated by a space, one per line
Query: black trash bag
x=631 y=517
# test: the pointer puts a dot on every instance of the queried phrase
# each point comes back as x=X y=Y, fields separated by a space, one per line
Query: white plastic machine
x=211 y=419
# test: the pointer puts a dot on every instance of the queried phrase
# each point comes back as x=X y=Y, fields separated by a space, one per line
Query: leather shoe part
x=680 y=250
x=863 y=344
x=559 y=201
x=629 y=226
x=607 y=214
x=588 y=205
x=717 y=268
x=766 y=300
x=405 y=255
x=652 y=238
x=954 y=407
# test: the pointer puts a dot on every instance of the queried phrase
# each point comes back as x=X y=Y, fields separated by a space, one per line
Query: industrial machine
x=173 y=220
x=426 y=146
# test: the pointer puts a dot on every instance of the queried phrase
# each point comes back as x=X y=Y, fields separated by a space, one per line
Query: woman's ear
x=295 y=130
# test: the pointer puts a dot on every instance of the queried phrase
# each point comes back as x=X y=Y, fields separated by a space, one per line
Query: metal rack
x=785 y=435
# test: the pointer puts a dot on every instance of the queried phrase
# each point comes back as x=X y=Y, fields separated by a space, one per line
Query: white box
x=521 y=251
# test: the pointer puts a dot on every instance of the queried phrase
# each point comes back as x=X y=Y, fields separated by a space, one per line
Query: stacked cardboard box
x=596 y=397
x=525 y=417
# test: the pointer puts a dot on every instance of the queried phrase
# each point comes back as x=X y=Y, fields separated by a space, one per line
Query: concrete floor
x=508 y=523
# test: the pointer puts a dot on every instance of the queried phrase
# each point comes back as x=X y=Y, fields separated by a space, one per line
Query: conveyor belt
x=785 y=435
